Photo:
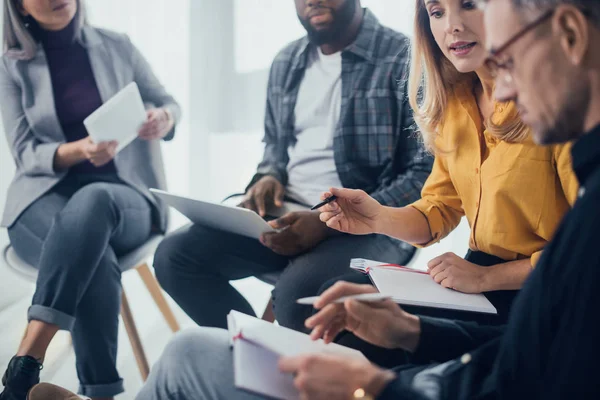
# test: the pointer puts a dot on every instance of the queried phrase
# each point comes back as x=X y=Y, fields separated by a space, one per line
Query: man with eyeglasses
x=545 y=57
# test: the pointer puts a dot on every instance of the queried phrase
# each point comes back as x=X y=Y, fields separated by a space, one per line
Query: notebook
x=416 y=287
x=257 y=346
x=118 y=119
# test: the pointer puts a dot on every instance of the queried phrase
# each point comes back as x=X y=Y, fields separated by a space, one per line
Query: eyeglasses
x=493 y=62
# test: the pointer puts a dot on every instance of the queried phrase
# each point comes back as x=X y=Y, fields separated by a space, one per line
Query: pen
x=365 y=297
x=326 y=201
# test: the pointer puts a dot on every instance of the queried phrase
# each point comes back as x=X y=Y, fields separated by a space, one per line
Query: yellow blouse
x=514 y=195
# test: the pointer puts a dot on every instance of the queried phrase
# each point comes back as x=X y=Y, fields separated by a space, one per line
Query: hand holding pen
x=350 y=211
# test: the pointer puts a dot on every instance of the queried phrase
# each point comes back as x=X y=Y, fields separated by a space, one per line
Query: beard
x=569 y=122
x=341 y=20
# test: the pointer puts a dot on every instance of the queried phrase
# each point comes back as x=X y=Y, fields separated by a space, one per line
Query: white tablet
x=218 y=216
x=119 y=118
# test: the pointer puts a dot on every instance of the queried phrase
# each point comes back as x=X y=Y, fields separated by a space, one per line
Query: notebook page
x=417 y=289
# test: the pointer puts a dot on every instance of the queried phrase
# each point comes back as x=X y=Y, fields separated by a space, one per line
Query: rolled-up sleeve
x=440 y=203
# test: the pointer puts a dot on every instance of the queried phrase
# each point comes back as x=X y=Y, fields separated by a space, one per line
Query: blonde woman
x=487 y=168
x=74 y=206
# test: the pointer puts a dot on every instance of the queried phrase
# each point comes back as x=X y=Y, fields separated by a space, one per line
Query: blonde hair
x=18 y=41
x=433 y=79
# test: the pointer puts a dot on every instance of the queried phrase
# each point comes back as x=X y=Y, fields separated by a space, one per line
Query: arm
x=152 y=90
x=568 y=181
x=275 y=157
x=31 y=155
x=424 y=222
x=412 y=163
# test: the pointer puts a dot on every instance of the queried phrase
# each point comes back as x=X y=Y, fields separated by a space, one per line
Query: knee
x=92 y=201
x=194 y=345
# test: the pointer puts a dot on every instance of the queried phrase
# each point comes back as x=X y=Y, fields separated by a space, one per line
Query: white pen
x=366 y=297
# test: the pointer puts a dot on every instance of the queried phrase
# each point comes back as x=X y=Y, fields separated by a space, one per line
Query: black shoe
x=22 y=374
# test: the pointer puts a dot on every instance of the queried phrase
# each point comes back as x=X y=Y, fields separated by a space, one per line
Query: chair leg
x=134 y=337
x=268 y=314
x=157 y=294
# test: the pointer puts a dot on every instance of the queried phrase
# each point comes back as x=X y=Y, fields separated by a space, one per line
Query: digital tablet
x=236 y=220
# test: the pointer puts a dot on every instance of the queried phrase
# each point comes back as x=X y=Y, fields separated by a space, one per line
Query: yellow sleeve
x=439 y=203
x=564 y=169
x=568 y=182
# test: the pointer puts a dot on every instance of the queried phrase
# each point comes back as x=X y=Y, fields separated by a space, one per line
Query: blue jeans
x=73 y=235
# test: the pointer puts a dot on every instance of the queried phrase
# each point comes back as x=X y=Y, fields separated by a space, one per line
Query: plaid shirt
x=375 y=146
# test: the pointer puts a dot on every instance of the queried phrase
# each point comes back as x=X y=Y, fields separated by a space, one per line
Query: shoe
x=22 y=374
x=47 y=391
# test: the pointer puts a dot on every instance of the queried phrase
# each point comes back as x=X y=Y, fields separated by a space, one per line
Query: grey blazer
x=34 y=132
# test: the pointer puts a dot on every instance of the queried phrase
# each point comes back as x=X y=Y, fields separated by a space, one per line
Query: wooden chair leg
x=157 y=294
x=134 y=337
x=268 y=314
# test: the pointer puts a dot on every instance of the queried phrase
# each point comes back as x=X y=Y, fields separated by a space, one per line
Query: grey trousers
x=73 y=235
x=196 y=365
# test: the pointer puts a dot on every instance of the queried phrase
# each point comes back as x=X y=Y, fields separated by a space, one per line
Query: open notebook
x=257 y=346
x=416 y=287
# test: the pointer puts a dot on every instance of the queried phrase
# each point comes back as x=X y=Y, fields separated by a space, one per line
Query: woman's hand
x=382 y=323
x=98 y=154
x=454 y=272
x=158 y=124
x=354 y=211
x=331 y=377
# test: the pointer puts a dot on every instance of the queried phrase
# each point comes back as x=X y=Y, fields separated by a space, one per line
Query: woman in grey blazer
x=74 y=206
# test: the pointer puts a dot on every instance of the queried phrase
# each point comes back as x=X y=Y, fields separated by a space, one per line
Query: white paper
x=119 y=119
x=412 y=288
x=257 y=347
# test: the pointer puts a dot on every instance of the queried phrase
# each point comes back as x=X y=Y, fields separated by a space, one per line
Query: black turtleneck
x=74 y=87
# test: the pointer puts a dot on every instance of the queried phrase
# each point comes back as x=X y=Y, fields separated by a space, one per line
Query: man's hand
x=265 y=193
x=381 y=323
x=354 y=211
x=331 y=377
x=300 y=231
x=454 y=272
x=98 y=154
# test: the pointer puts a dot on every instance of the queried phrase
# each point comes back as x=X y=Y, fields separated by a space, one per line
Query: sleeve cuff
x=535 y=258
x=434 y=219
x=46 y=153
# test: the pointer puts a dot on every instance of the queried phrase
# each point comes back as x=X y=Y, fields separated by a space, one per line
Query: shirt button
x=466 y=358
x=476 y=170
x=581 y=192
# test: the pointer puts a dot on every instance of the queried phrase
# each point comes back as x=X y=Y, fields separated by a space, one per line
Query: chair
x=135 y=259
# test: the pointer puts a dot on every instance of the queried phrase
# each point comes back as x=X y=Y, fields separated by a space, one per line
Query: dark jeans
x=195 y=264
x=73 y=235
x=502 y=300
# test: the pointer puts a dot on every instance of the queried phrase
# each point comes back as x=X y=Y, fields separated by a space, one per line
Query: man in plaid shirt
x=337 y=115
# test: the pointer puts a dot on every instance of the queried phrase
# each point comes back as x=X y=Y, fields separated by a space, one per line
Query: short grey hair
x=18 y=41
x=591 y=7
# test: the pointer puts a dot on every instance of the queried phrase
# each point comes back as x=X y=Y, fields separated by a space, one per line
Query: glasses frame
x=494 y=65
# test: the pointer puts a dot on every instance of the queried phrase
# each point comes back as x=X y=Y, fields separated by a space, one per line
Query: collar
x=586 y=155
x=363 y=46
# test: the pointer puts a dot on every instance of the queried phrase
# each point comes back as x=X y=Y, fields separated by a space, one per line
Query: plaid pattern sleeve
x=412 y=163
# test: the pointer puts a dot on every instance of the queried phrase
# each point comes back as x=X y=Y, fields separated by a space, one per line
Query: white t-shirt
x=311 y=168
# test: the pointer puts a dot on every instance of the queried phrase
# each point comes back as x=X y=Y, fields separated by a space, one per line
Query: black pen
x=326 y=201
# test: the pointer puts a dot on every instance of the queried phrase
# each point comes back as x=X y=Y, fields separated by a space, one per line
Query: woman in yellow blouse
x=486 y=168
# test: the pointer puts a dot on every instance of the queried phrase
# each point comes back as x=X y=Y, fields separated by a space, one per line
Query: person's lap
x=195 y=265
x=196 y=364
x=73 y=235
